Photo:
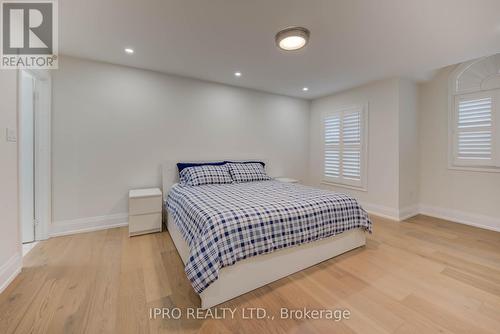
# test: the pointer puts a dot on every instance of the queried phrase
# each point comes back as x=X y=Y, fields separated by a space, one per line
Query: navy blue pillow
x=182 y=165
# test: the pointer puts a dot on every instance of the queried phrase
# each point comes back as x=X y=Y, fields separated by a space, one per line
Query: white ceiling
x=352 y=41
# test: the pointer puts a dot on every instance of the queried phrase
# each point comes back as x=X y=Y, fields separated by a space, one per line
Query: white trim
x=27 y=247
x=42 y=150
x=9 y=270
x=457 y=72
x=475 y=169
x=24 y=76
x=462 y=68
x=43 y=156
x=381 y=211
x=456 y=216
x=340 y=185
x=453 y=94
x=466 y=218
x=408 y=212
x=456 y=131
x=89 y=224
x=391 y=213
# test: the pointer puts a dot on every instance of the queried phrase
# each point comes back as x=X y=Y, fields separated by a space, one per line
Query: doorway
x=34 y=154
x=27 y=156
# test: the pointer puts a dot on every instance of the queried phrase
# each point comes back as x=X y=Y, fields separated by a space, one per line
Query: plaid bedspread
x=225 y=223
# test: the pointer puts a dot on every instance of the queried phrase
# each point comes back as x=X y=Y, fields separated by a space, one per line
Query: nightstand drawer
x=142 y=205
x=140 y=224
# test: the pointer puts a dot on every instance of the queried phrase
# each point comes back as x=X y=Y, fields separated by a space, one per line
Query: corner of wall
x=408 y=149
x=10 y=240
x=10 y=269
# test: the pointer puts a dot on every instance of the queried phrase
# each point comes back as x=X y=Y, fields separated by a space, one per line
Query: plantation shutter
x=332 y=147
x=351 y=137
x=343 y=147
x=474 y=130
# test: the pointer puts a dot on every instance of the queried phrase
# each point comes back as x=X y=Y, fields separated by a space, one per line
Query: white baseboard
x=381 y=211
x=408 y=212
x=9 y=270
x=472 y=219
x=89 y=224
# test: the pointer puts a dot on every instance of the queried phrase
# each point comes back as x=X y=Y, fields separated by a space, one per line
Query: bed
x=234 y=238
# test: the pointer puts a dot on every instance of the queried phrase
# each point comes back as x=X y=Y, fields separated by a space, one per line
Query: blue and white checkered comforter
x=225 y=223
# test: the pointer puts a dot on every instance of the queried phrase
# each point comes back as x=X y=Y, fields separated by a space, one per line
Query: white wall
x=113 y=126
x=408 y=148
x=392 y=189
x=10 y=243
x=383 y=161
x=465 y=196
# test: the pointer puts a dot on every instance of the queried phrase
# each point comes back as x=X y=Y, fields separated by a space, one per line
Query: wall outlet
x=11 y=135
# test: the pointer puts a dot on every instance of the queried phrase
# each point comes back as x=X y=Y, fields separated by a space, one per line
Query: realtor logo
x=29 y=34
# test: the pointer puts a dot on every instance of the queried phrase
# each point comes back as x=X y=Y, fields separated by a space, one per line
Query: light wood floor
x=421 y=276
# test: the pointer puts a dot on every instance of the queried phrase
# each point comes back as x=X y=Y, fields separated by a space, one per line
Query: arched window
x=475 y=115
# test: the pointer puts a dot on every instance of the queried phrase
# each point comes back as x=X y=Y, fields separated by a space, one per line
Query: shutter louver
x=351 y=135
x=332 y=146
x=332 y=163
x=351 y=164
x=474 y=129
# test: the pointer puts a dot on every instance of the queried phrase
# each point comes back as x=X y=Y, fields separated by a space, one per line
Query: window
x=474 y=130
x=344 y=137
x=475 y=115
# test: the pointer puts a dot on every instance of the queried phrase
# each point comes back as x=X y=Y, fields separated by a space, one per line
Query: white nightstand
x=286 y=179
x=144 y=211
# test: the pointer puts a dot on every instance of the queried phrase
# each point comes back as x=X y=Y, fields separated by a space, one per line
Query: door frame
x=42 y=150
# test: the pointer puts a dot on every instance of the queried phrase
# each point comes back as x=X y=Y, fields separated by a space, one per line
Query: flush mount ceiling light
x=237 y=74
x=129 y=51
x=305 y=89
x=293 y=38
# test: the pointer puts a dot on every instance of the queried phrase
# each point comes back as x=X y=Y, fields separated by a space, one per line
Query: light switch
x=11 y=135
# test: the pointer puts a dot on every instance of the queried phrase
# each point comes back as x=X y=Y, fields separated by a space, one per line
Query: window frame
x=459 y=84
x=341 y=182
x=454 y=162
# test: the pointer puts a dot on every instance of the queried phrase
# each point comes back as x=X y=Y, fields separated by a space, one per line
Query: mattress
x=226 y=223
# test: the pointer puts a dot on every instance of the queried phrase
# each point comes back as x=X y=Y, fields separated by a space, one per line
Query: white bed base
x=257 y=271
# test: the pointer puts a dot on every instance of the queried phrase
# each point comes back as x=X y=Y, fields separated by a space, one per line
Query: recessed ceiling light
x=293 y=38
x=237 y=74
x=305 y=89
x=129 y=51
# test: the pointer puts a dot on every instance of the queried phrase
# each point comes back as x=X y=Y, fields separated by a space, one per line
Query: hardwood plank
x=425 y=275
x=472 y=280
x=442 y=316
